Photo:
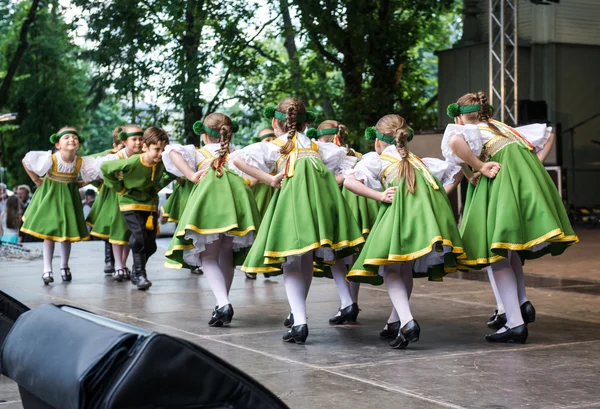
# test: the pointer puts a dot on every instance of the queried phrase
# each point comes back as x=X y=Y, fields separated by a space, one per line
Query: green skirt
x=263 y=194
x=417 y=227
x=108 y=222
x=103 y=193
x=56 y=213
x=364 y=210
x=173 y=207
x=307 y=213
x=216 y=206
x=519 y=209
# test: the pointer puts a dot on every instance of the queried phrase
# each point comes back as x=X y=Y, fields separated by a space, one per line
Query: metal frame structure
x=503 y=50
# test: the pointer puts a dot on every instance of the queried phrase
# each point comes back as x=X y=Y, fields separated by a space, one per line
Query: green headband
x=271 y=112
x=124 y=135
x=371 y=133
x=55 y=138
x=200 y=128
x=455 y=110
x=315 y=133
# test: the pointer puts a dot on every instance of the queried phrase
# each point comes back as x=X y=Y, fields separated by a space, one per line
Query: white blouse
x=536 y=134
x=370 y=168
x=264 y=156
x=40 y=162
x=189 y=153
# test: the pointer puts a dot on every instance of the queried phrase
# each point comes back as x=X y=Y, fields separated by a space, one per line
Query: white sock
x=339 y=272
x=517 y=266
x=354 y=287
x=393 y=317
x=125 y=252
x=398 y=291
x=297 y=283
x=65 y=253
x=226 y=261
x=48 y=254
x=507 y=288
x=214 y=275
x=499 y=305
x=118 y=252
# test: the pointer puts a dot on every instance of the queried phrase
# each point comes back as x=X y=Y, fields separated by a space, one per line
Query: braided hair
x=293 y=108
x=483 y=115
x=223 y=124
x=396 y=127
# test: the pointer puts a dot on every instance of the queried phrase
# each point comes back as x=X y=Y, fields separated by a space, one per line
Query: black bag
x=66 y=358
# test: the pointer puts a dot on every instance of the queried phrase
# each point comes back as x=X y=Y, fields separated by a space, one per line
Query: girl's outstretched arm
x=355 y=186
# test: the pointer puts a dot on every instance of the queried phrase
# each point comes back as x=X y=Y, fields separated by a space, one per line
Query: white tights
x=217 y=263
x=65 y=253
x=347 y=291
x=507 y=286
x=121 y=252
x=399 y=282
x=517 y=267
x=297 y=277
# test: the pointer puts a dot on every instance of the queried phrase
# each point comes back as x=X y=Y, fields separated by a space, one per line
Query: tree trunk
x=290 y=45
x=192 y=110
x=14 y=64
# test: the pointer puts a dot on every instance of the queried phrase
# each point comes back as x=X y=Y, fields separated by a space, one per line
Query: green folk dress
x=520 y=209
x=417 y=227
x=175 y=204
x=55 y=211
x=216 y=205
x=308 y=213
x=105 y=218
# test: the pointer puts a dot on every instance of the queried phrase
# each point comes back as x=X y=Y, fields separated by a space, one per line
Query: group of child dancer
x=297 y=202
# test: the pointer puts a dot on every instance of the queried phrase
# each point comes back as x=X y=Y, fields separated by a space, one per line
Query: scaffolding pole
x=503 y=93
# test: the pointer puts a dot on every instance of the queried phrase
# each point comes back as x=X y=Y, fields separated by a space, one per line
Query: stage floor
x=348 y=366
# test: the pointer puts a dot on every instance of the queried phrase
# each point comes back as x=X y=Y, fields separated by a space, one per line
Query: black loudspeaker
x=532 y=112
x=10 y=311
x=67 y=358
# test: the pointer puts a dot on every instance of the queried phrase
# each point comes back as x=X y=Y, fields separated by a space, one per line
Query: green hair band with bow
x=371 y=134
x=124 y=135
x=54 y=138
x=261 y=138
x=200 y=128
x=271 y=112
x=455 y=110
x=316 y=133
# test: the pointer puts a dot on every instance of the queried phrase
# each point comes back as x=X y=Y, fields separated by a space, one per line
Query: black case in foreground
x=67 y=358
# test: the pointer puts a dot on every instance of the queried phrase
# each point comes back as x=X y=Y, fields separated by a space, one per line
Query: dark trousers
x=142 y=240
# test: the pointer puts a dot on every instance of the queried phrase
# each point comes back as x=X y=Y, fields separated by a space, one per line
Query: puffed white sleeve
x=442 y=169
x=188 y=152
x=261 y=155
x=536 y=134
x=368 y=170
x=472 y=136
x=39 y=162
x=90 y=168
x=335 y=157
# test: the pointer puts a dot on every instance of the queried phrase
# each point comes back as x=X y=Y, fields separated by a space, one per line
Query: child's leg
x=507 y=288
x=65 y=253
x=48 y=254
x=109 y=258
x=339 y=272
x=118 y=252
x=517 y=266
x=297 y=284
x=212 y=271
x=226 y=261
x=125 y=254
x=150 y=236
x=354 y=287
x=399 y=292
x=499 y=305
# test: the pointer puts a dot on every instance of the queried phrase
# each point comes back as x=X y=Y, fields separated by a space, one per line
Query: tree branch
x=14 y=64
x=211 y=106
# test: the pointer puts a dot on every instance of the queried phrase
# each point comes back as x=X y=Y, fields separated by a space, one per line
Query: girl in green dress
x=220 y=217
x=365 y=212
x=415 y=233
x=109 y=223
x=514 y=211
x=307 y=215
x=55 y=213
x=262 y=192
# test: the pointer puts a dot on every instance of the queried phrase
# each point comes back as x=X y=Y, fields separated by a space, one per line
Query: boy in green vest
x=137 y=181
